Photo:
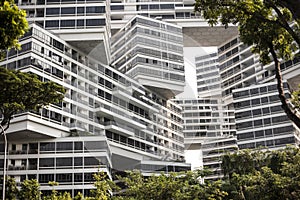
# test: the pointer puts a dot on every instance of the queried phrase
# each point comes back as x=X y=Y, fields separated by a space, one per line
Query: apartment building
x=106 y=121
x=151 y=52
x=251 y=89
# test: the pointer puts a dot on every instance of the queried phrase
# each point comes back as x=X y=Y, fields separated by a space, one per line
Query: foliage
x=13 y=25
x=21 y=92
x=11 y=189
x=263 y=175
x=172 y=186
x=30 y=190
x=104 y=187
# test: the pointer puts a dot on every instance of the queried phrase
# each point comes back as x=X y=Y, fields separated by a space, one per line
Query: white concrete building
x=106 y=119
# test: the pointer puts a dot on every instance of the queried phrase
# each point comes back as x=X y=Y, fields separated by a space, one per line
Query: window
x=52 y=11
x=46 y=162
x=67 y=23
x=94 y=145
x=95 y=22
x=61 y=178
x=52 y=24
x=50 y=146
x=80 y=10
x=63 y=162
x=68 y=11
x=64 y=146
x=45 y=178
x=78 y=161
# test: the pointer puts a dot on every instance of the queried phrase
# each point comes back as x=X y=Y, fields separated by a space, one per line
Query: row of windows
x=261 y=122
x=208 y=74
x=73 y=23
x=228 y=54
x=198 y=58
x=42 y=2
x=206 y=69
x=229 y=63
x=257 y=102
x=265 y=133
x=258 y=112
x=231 y=71
x=209 y=127
x=69 y=162
x=156 y=7
x=61 y=146
x=66 y=177
x=228 y=45
x=199 y=64
x=257 y=91
x=156 y=24
x=210 y=87
x=268 y=143
x=200 y=114
x=73 y=10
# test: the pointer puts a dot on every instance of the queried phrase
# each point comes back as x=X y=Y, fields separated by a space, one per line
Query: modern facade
x=260 y=120
x=106 y=120
x=151 y=52
x=206 y=132
x=208 y=75
x=251 y=90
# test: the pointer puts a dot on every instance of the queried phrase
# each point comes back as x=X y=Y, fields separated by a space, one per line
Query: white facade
x=101 y=104
x=151 y=52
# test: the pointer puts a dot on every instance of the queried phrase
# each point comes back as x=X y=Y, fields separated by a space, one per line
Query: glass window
x=67 y=23
x=45 y=178
x=78 y=177
x=63 y=178
x=88 y=161
x=46 y=162
x=52 y=24
x=93 y=145
x=80 y=22
x=64 y=146
x=47 y=146
x=52 y=11
x=68 y=10
x=78 y=161
x=95 y=22
x=63 y=162
x=80 y=10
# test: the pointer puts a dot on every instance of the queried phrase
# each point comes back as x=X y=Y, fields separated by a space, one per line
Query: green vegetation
x=13 y=25
x=271 y=27
x=20 y=92
x=263 y=175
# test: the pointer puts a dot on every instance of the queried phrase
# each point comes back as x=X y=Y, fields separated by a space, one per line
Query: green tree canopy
x=13 y=25
x=271 y=27
x=263 y=175
x=21 y=92
x=172 y=186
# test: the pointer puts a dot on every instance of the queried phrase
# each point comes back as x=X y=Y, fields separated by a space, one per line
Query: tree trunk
x=291 y=115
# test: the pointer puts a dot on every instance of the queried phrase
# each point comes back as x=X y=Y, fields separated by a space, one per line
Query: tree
x=271 y=27
x=21 y=92
x=268 y=174
x=30 y=190
x=172 y=186
x=11 y=190
x=13 y=25
x=104 y=187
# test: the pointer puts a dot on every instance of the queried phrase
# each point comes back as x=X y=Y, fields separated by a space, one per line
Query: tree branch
x=291 y=115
